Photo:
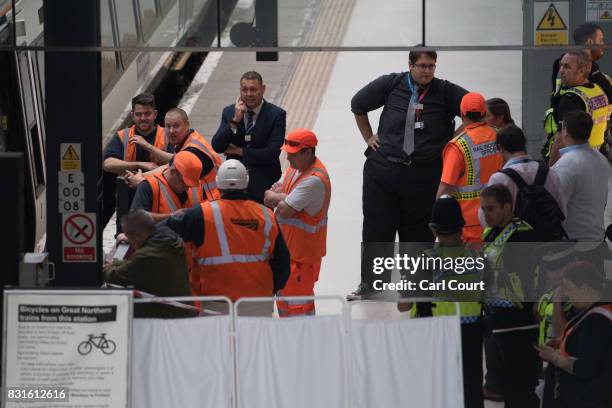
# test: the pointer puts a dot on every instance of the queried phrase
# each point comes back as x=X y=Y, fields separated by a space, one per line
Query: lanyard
x=413 y=90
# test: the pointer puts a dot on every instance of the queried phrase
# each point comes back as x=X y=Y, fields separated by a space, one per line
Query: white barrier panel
x=183 y=363
x=406 y=363
x=296 y=362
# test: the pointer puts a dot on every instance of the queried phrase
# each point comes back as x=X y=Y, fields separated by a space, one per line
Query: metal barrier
x=346 y=318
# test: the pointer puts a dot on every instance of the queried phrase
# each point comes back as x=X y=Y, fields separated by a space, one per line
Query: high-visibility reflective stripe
x=203 y=146
x=126 y=140
x=267 y=228
x=195 y=198
x=469 y=189
x=212 y=185
x=294 y=222
x=167 y=196
x=219 y=226
x=227 y=257
x=233 y=258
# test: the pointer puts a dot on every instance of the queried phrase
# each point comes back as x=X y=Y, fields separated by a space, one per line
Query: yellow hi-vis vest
x=506 y=289
x=470 y=310
x=596 y=105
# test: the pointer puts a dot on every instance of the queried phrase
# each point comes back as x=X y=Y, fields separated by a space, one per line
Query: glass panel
x=469 y=22
x=148 y=16
x=6 y=30
x=126 y=23
x=29 y=24
x=109 y=67
x=106 y=25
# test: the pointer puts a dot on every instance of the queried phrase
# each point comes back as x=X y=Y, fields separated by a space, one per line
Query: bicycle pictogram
x=107 y=346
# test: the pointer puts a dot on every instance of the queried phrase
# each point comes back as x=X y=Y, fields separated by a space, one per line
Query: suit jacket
x=260 y=154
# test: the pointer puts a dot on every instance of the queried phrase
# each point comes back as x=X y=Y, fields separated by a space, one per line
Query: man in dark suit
x=253 y=131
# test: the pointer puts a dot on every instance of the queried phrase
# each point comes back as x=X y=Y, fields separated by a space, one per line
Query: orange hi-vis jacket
x=605 y=310
x=239 y=239
x=306 y=235
x=129 y=149
x=165 y=200
x=209 y=182
x=481 y=159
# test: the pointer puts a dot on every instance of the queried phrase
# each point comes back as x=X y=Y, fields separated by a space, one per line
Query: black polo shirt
x=440 y=107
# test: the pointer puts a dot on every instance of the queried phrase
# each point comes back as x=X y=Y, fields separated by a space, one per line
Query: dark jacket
x=160 y=268
x=261 y=153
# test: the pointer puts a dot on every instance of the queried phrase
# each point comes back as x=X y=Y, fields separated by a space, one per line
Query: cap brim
x=191 y=182
x=291 y=149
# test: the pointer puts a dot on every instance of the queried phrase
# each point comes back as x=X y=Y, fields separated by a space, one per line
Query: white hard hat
x=232 y=175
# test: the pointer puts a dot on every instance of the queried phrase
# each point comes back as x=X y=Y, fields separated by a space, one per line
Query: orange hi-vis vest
x=306 y=235
x=482 y=159
x=605 y=310
x=129 y=149
x=209 y=182
x=165 y=200
x=239 y=239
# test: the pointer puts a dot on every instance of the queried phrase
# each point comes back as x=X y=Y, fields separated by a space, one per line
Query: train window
x=38 y=153
x=106 y=25
x=148 y=16
x=126 y=22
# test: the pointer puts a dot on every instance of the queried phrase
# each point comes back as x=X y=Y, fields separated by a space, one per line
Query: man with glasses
x=404 y=157
x=301 y=201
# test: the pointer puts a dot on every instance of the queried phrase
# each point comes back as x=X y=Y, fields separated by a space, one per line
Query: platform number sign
x=71 y=191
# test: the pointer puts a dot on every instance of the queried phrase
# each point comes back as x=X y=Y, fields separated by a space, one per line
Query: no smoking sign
x=79 y=237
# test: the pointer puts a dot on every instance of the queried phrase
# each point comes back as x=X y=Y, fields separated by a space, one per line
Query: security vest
x=129 y=149
x=596 y=104
x=306 y=235
x=545 y=311
x=605 y=310
x=470 y=310
x=506 y=289
x=239 y=239
x=482 y=159
x=165 y=200
x=209 y=182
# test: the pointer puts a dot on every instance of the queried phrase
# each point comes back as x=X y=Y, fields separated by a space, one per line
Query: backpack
x=536 y=206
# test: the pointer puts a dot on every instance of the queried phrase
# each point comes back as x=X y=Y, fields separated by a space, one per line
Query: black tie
x=249 y=121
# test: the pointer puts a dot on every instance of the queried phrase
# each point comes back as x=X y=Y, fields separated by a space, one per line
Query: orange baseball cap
x=189 y=166
x=473 y=102
x=299 y=139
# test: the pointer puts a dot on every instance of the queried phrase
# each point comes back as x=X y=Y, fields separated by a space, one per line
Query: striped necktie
x=249 y=121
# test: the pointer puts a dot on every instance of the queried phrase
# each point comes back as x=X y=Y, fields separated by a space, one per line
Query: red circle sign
x=79 y=229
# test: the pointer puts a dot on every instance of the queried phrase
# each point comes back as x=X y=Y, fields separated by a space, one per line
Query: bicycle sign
x=101 y=342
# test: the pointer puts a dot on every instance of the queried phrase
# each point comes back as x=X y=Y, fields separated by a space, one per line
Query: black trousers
x=397 y=200
x=519 y=368
x=471 y=350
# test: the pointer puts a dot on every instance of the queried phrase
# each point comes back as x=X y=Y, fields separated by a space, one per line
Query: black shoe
x=363 y=291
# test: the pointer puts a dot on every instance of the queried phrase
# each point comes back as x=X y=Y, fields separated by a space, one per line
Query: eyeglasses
x=292 y=143
x=425 y=66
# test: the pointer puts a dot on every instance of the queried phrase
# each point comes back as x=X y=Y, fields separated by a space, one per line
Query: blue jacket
x=261 y=153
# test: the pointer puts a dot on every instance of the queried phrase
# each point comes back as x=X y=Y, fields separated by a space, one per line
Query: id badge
x=419 y=125
x=247 y=138
x=418 y=106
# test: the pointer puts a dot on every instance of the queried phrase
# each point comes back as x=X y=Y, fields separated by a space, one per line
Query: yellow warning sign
x=551 y=20
x=550 y=23
x=606 y=15
x=70 y=155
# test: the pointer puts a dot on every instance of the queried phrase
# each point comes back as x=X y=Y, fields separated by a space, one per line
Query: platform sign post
x=67 y=347
x=74 y=142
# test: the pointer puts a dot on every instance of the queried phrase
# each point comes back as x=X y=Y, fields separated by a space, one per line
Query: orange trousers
x=300 y=283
